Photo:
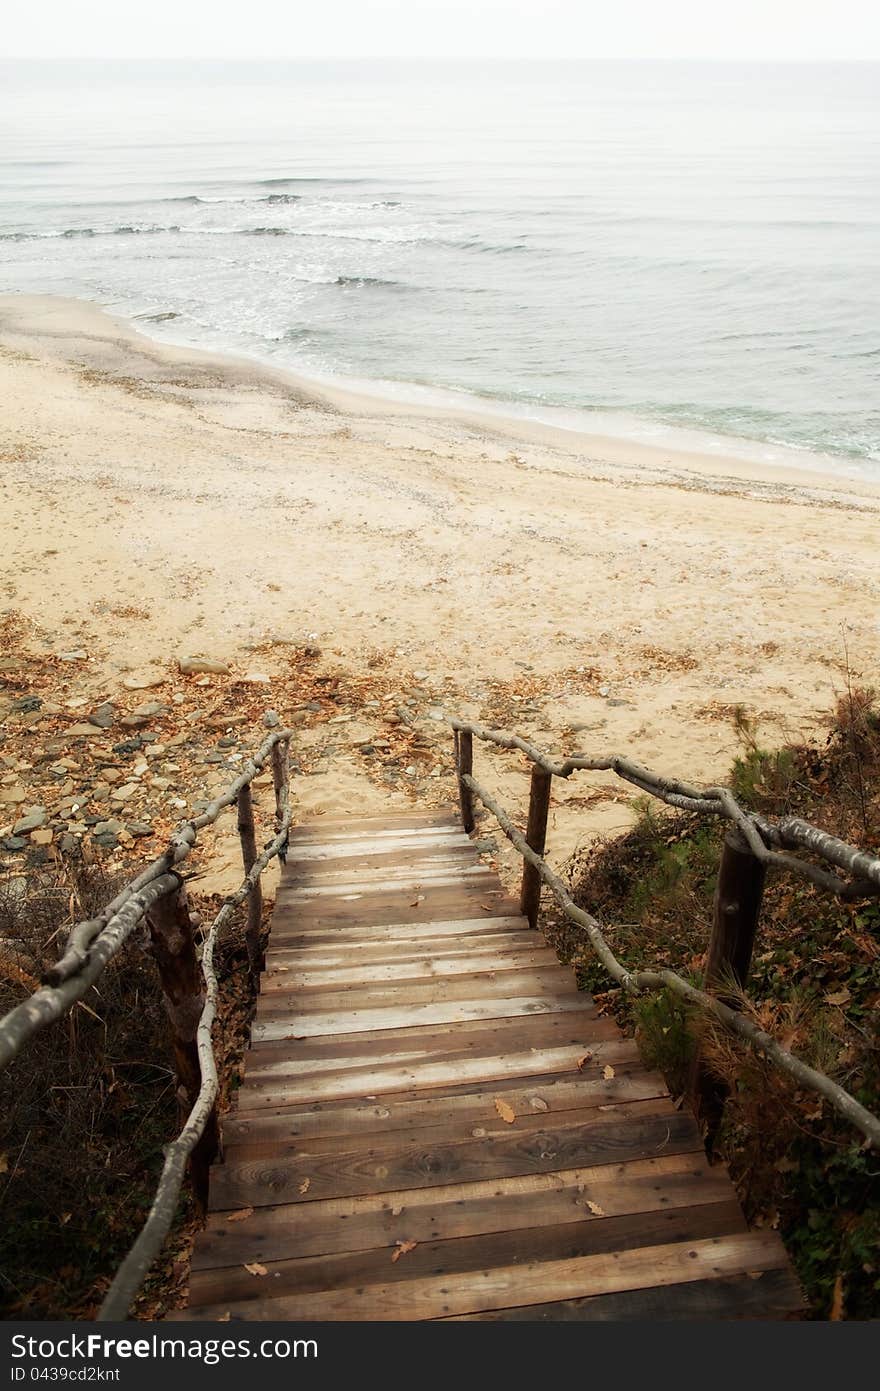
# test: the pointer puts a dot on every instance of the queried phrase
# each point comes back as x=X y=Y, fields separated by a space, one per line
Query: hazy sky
x=796 y=29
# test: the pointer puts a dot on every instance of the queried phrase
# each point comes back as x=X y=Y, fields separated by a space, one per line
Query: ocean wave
x=280 y=198
x=371 y=281
x=71 y=233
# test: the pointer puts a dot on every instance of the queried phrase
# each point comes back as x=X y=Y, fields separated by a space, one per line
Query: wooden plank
x=361 y=1021
x=390 y=845
x=347 y=827
x=411 y=969
x=531 y=1282
x=559 y=1241
x=371 y=868
x=550 y=981
x=290 y=933
x=460 y=1209
x=422 y=1132
x=547 y=1095
x=362 y=1078
x=761 y=1294
x=362 y=887
x=393 y=910
x=561 y=1145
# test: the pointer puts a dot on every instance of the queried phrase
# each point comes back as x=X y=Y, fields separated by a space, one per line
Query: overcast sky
x=789 y=29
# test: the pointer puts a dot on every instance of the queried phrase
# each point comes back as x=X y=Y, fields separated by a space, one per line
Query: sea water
x=632 y=248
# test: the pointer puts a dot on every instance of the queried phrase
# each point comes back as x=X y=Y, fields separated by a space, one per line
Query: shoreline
x=161 y=502
x=681 y=450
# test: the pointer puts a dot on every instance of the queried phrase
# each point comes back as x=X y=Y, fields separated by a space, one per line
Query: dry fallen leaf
x=224 y=1318
x=402 y=1248
x=240 y=1215
x=582 y=1062
x=595 y=1209
x=840 y=997
x=507 y=1113
x=419 y=898
x=305 y=1185
x=608 y=1072
x=256 y=1269
x=538 y=1103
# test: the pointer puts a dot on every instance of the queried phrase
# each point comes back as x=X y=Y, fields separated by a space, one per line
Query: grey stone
x=14 y=843
x=133 y=721
x=127 y=746
x=151 y=708
x=138 y=829
x=103 y=716
x=35 y=818
x=106 y=840
x=271 y=719
x=228 y=743
x=23 y=705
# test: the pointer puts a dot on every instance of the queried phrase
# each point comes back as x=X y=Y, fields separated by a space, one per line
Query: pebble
x=271 y=719
x=42 y=836
x=138 y=829
x=36 y=817
x=13 y=795
x=14 y=843
x=144 y=680
x=103 y=716
x=80 y=731
x=133 y=721
x=23 y=705
x=122 y=794
x=151 y=708
x=190 y=666
x=77 y=656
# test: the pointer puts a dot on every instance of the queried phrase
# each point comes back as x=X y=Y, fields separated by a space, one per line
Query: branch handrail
x=93 y=943
x=791 y=832
x=754 y=830
x=131 y=1273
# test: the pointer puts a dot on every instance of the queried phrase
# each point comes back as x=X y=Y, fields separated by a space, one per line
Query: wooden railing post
x=464 y=763
x=174 y=951
x=536 y=835
x=281 y=778
x=248 y=834
x=738 y=896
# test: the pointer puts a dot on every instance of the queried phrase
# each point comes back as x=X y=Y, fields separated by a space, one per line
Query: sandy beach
x=159 y=502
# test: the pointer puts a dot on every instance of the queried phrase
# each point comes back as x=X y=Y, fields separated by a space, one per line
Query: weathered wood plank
x=460 y=1209
x=760 y=1294
x=532 y=1282
x=317 y=973
x=398 y=1110
x=359 y=1021
x=562 y=1145
x=548 y=981
x=291 y=934
x=559 y=1241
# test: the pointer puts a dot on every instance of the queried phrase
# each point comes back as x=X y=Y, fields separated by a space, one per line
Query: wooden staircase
x=436 y=1124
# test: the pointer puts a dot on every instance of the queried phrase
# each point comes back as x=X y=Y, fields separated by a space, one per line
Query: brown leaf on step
x=305 y=1185
x=608 y=1072
x=488 y=907
x=837 y=1312
x=240 y=1215
x=419 y=898
x=402 y=1248
x=507 y=1113
x=582 y=1062
x=256 y=1269
x=595 y=1209
x=538 y=1103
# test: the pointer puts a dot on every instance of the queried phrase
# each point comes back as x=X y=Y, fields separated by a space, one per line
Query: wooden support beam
x=464 y=763
x=247 y=833
x=738 y=896
x=536 y=835
x=174 y=951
